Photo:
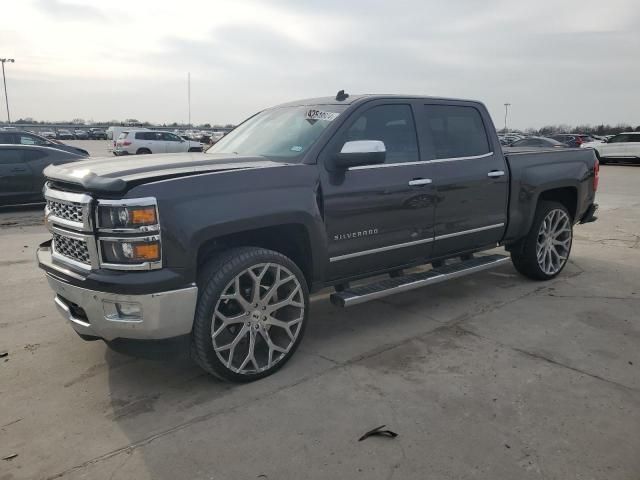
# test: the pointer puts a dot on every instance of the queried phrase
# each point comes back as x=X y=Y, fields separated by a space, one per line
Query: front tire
x=546 y=248
x=251 y=315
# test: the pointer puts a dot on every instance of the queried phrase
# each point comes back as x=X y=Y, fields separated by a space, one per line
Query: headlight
x=129 y=234
x=134 y=215
x=130 y=251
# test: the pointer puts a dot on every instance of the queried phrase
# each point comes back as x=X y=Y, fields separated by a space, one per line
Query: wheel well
x=291 y=240
x=143 y=150
x=567 y=196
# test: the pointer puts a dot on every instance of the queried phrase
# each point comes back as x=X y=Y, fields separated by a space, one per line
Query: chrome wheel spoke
x=554 y=241
x=257 y=317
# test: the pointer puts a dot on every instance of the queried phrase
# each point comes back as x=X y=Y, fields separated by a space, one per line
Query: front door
x=16 y=178
x=378 y=216
x=469 y=174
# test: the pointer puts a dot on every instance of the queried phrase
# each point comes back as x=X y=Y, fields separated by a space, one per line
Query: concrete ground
x=491 y=376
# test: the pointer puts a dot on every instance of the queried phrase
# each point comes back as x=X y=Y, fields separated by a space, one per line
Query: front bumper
x=93 y=313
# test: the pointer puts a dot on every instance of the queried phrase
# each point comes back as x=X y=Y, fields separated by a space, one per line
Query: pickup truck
x=225 y=246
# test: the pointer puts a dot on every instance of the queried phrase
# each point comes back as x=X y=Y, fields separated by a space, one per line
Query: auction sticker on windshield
x=313 y=114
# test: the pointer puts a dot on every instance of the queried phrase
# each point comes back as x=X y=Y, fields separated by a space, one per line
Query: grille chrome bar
x=74 y=248
x=68 y=209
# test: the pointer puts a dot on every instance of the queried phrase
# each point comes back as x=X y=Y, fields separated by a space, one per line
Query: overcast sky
x=555 y=61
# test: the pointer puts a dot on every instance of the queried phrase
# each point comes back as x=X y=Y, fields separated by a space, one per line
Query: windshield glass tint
x=285 y=132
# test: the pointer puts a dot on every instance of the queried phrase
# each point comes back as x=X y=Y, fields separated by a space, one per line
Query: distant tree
x=229 y=125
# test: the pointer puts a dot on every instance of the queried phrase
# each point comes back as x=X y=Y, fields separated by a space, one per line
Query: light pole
x=506 y=112
x=4 y=80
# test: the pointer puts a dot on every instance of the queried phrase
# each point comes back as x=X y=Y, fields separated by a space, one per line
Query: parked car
x=624 y=146
x=224 y=246
x=19 y=137
x=21 y=166
x=137 y=142
x=65 y=135
x=48 y=133
x=538 y=142
x=572 y=139
x=80 y=134
x=97 y=134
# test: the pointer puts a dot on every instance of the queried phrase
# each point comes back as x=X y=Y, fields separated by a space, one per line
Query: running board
x=389 y=286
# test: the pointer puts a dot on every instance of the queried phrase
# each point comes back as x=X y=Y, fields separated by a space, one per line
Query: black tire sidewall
x=214 y=277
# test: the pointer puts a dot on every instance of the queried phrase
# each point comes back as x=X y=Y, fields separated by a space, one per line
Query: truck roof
x=353 y=98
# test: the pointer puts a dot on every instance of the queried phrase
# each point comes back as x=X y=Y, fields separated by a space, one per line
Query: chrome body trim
x=409 y=244
x=467 y=232
x=495 y=173
x=421 y=162
x=164 y=314
x=380 y=249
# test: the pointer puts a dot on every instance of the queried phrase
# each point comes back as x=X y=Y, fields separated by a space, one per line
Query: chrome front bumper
x=93 y=313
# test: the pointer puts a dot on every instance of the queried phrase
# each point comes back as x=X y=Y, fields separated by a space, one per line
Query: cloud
x=561 y=62
x=70 y=11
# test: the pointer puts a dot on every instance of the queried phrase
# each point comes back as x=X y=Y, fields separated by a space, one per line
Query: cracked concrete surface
x=489 y=376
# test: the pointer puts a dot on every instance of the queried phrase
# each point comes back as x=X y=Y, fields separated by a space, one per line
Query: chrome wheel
x=258 y=318
x=554 y=241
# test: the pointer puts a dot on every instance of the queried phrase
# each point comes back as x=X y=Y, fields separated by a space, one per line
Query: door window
x=391 y=124
x=170 y=137
x=454 y=131
x=619 y=139
x=25 y=139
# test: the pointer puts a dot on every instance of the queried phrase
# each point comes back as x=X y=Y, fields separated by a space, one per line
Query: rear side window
x=146 y=136
x=393 y=125
x=123 y=135
x=633 y=138
x=454 y=131
x=9 y=156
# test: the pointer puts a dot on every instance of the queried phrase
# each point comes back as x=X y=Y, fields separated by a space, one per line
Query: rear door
x=469 y=176
x=378 y=216
x=16 y=178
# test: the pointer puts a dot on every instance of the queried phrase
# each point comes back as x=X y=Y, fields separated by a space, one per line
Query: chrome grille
x=72 y=248
x=65 y=211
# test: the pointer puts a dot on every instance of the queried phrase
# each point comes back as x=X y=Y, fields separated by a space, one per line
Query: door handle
x=495 y=173
x=419 y=181
x=18 y=169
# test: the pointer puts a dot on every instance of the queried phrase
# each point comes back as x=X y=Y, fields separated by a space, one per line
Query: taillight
x=596 y=175
x=126 y=143
x=579 y=141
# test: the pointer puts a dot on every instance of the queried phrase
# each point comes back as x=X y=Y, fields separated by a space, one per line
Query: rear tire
x=546 y=248
x=252 y=311
x=143 y=151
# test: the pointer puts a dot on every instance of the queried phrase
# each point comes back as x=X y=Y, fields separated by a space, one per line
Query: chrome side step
x=383 y=288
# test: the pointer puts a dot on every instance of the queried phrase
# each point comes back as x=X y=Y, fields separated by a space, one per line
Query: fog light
x=122 y=311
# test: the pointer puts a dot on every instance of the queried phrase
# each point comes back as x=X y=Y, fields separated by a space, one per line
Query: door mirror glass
x=361 y=152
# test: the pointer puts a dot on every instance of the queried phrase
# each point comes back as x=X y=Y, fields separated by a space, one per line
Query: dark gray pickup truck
x=225 y=246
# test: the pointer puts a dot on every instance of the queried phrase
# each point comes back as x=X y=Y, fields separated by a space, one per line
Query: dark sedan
x=65 y=135
x=19 y=137
x=21 y=166
x=538 y=142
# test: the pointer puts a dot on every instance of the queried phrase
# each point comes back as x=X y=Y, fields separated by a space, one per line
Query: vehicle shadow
x=159 y=390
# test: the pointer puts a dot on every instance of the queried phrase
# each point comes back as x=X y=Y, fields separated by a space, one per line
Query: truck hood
x=121 y=173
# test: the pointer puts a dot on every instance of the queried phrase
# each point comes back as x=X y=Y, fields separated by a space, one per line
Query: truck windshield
x=284 y=132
